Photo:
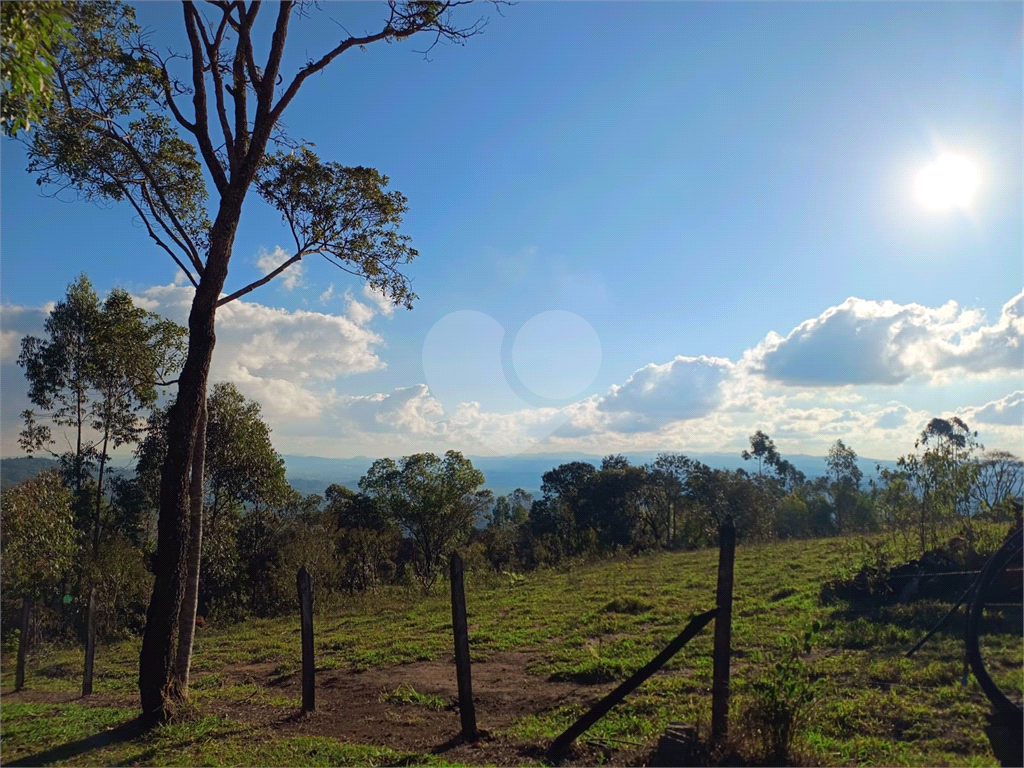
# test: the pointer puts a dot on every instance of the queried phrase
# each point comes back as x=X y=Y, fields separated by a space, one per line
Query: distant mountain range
x=312 y=474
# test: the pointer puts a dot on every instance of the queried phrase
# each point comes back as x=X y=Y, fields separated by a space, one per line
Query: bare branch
x=158 y=188
x=262 y=281
x=213 y=53
x=246 y=21
x=152 y=233
x=166 y=83
x=202 y=131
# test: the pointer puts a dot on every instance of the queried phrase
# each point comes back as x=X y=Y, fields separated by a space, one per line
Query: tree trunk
x=159 y=688
x=187 y=616
x=99 y=497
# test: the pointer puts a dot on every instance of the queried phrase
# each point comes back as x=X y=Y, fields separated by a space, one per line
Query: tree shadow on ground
x=129 y=730
x=126 y=731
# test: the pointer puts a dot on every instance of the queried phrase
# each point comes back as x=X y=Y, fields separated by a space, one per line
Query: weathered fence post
x=723 y=633
x=559 y=748
x=305 y=587
x=19 y=673
x=90 y=642
x=460 y=629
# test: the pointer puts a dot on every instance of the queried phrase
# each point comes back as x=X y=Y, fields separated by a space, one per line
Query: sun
x=949 y=181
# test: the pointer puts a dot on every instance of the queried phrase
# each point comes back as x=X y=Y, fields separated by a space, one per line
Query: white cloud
x=1007 y=411
x=327 y=295
x=685 y=388
x=285 y=359
x=869 y=342
x=382 y=302
x=268 y=261
x=359 y=313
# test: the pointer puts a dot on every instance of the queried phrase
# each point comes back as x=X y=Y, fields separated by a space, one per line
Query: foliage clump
x=781 y=697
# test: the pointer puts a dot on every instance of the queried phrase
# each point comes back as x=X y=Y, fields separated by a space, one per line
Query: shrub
x=780 y=699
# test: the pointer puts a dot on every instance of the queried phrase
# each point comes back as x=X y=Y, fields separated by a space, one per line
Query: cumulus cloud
x=286 y=359
x=268 y=261
x=360 y=313
x=684 y=388
x=1007 y=411
x=864 y=342
x=16 y=322
x=892 y=416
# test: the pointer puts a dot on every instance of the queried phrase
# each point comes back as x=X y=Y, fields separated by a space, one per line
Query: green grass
x=590 y=624
x=406 y=694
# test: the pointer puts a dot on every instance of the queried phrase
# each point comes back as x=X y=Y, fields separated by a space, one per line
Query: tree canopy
x=434 y=500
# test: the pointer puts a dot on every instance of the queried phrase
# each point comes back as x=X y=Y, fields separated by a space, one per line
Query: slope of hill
x=14 y=471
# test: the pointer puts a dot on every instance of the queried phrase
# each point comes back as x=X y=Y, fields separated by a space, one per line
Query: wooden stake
x=723 y=633
x=90 y=643
x=305 y=587
x=19 y=673
x=460 y=629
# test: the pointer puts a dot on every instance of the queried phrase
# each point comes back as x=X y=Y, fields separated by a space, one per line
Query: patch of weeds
x=592 y=672
x=406 y=694
x=284 y=669
x=780 y=698
x=216 y=680
x=627 y=605
x=782 y=594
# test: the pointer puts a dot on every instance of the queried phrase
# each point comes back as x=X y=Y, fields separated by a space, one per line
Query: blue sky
x=641 y=226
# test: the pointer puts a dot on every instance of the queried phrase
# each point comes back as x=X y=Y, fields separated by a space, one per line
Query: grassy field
x=576 y=629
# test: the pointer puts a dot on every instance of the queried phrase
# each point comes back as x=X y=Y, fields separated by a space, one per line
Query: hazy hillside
x=14 y=471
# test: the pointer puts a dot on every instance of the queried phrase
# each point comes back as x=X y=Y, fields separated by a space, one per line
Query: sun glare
x=950 y=181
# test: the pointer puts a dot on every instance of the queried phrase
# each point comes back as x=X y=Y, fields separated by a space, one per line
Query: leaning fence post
x=305 y=588
x=19 y=673
x=559 y=748
x=90 y=642
x=460 y=629
x=723 y=632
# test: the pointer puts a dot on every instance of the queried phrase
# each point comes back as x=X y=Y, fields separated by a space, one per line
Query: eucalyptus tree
x=241 y=468
x=97 y=369
x=29 y=32
x=434 y=500
x=124 y=126
x=846 y=476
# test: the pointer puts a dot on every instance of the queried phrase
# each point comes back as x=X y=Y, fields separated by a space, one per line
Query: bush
x=781 y=698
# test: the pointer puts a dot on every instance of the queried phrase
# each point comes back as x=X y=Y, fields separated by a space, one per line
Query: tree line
x=70 y=531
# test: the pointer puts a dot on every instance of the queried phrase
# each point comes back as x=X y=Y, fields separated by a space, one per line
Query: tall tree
x=845 y=476
x=60 y=370
x=120 y=129
x=1000 y=477
x=763 y=449
x=98 y=368
x=241 y=468
x=434 y=500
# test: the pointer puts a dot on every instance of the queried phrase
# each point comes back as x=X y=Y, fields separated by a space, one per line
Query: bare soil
x=349 y=708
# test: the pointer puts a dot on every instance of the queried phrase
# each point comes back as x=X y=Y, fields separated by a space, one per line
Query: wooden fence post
x=460 y=628
x=560 y=746
x=305 y=588
x=19 y=673
x=723 y=633
x=90 y=642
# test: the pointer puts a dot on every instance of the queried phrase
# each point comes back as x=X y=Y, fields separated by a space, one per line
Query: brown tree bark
x=190 y=603
x=160 y=689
